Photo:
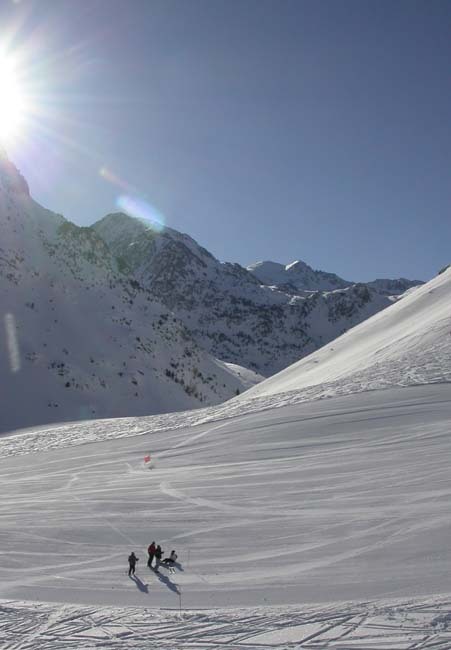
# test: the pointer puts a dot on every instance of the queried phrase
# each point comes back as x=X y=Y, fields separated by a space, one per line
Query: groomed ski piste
x=313 y=511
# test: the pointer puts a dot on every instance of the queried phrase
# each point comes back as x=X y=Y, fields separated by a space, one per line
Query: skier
x=170 y=561
x=158 y=555
x=151 y=551
x=132 y=560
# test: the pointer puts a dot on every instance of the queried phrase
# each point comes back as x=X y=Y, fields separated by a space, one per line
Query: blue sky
x=265 y=129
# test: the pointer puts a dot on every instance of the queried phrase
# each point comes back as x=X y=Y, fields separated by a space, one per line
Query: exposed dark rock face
x=226 y=307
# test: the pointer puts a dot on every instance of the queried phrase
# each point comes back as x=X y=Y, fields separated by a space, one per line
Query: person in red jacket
x=151 y=551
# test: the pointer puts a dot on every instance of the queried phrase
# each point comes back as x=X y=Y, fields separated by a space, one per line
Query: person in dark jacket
x=151 y=551
x=158 y=555
x=132 y=560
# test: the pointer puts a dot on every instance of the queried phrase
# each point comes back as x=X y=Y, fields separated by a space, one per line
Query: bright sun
x=12 y=101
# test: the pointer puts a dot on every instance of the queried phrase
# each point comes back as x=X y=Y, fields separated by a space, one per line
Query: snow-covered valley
x=308 y=506
x=310 y=511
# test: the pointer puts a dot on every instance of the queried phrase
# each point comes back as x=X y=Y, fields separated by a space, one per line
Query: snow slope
x=319 y=524
x=326 y=502
x=397 y=624
x=408 y=343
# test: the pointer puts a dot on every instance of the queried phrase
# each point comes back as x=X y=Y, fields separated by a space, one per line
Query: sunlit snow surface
x=322 y=523
x=324 y=502
x=392 y=625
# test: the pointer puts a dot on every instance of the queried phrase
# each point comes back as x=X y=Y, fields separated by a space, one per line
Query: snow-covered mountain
x=408 y=343
x=116 y=319
x=82 y=339
x=299 y=276
x=226 y=308
x=350 y=493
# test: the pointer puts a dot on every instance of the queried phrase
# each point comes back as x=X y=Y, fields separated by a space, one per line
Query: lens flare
x=13 y=105
x=12 y=343
x=132 y=201
x=143 y=210
x=114 y=179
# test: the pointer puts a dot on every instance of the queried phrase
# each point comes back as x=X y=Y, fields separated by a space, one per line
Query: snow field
x=326 y=501
x=393 y=625
x=342 y=502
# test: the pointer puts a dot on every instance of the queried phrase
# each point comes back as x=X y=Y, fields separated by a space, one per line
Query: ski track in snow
x=343 y=503
x=397 y=625
x=428 y=364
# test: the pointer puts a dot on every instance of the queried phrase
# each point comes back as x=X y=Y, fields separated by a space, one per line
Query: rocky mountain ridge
x=298 y=277
x=81 y=338
x=118 y=319
x=227 y=308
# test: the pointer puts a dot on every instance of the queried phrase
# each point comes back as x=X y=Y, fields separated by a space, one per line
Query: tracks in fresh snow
x=394 y=625
x=347 y=500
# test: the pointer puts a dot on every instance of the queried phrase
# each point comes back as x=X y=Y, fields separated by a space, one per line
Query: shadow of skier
x=165 y=580
x=140 y=584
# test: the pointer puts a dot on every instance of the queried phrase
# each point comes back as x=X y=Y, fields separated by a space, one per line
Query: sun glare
x=12 y=100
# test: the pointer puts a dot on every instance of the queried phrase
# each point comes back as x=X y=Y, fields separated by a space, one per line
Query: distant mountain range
x=116 y=319
x=264 y=317
x=299 y=277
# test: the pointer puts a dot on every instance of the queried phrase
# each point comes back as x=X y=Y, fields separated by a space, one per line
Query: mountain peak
x=10 y=177
x=298 y=275
x=297 y=264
